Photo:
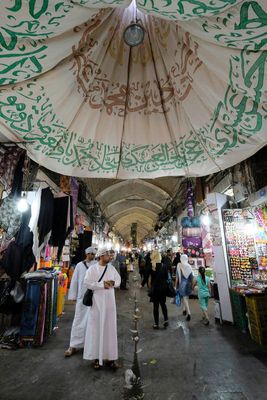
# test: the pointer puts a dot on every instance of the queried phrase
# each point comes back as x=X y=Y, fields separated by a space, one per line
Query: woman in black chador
x=158 y=294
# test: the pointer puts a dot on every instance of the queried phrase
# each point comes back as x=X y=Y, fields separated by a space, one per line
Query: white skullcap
x=102 y=251
x=90 y=250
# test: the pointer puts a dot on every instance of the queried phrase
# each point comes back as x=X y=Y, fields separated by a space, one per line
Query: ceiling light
x=22 y=204
x=134 y=34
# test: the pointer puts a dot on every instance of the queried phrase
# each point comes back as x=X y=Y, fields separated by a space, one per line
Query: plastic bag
x=178 y=299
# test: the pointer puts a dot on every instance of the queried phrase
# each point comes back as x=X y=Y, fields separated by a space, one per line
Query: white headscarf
x=184 y=267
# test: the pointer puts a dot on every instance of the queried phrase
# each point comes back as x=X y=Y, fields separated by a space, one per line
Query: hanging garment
x=45 y=220
x=42 y=219
x=18 y=256
x=33 y=224
x=24 y=236
x=76 y=292
x=62 y=222
x=101 y=332
x=13 y=260
x=18 y=176
x=8 y=163
x=10 y=217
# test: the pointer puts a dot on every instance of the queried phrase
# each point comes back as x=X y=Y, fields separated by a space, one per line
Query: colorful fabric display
x=39 y=315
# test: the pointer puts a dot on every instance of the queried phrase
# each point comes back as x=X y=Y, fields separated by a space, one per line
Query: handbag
x=170 y=291
x=88 y=295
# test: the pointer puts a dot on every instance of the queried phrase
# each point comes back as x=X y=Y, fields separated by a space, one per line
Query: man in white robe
x=101 y=341
x=76 y=292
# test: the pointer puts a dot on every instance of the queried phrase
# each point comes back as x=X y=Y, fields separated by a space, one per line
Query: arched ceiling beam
x=122 y=190
x=137 y=199
x=127 y=213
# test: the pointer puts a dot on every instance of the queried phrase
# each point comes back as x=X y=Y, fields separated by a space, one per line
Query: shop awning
x=190 y=100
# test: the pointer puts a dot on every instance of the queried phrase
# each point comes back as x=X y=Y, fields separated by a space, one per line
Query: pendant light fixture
x=134 y=33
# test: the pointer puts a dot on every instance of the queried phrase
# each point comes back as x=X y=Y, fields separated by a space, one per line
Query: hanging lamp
x=134 y=33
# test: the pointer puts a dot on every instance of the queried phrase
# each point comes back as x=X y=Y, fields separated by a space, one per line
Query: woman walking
x=158 y=294
x=184 y=283
x=203 y=284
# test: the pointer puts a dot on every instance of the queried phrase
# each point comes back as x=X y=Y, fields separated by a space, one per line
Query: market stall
x=246 y=239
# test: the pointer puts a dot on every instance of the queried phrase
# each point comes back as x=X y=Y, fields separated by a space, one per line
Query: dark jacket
x=158 y=290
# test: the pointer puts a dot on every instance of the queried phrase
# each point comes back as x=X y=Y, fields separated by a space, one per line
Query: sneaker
x=184 y=312
x=188 y=317
x=206 y=322
x=155 y=326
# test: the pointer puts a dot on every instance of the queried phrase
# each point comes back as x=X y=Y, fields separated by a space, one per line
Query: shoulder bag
x=88 y=295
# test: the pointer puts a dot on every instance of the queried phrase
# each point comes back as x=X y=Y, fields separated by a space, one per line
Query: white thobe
x=101 y=334
x=76 y=292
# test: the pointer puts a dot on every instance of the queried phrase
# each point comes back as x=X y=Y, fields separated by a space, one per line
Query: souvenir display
x=239 y=235
x=260 y=214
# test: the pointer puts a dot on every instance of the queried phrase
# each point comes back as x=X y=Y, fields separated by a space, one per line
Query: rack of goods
x=240 y=244
x=260 y=214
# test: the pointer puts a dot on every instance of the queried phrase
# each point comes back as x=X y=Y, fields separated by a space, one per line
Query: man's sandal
x=113 y=365
x=96 y=365
x=70 y=352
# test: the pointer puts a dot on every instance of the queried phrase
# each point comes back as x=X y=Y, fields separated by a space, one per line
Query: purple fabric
x=191 y=241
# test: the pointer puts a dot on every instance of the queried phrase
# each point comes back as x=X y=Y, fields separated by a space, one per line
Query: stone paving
x=187 y=361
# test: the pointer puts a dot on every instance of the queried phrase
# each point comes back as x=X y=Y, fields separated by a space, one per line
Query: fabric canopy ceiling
x=190 y=100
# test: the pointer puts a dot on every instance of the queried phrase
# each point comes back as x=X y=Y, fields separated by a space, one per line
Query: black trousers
x=147 y=273
x=124 y=276
x=162 y=303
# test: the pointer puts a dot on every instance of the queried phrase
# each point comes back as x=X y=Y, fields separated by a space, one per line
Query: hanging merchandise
x=260 y=214
x=64 y=184
x=12 y=163
x=62 y=222
x=8 y=167
x=39 y=314
x=191 y=232
x=41 y=220
x=10 y=217
x=19 y=257
x=45 y=219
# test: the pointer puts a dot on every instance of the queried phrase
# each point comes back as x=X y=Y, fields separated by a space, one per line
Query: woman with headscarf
x=158 y=289
x=184 y=283
x=155 y=258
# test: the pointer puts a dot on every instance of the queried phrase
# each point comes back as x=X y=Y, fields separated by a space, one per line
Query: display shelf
x=240 y=243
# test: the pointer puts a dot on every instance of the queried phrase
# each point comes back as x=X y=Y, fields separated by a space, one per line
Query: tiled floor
x=188 y=361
